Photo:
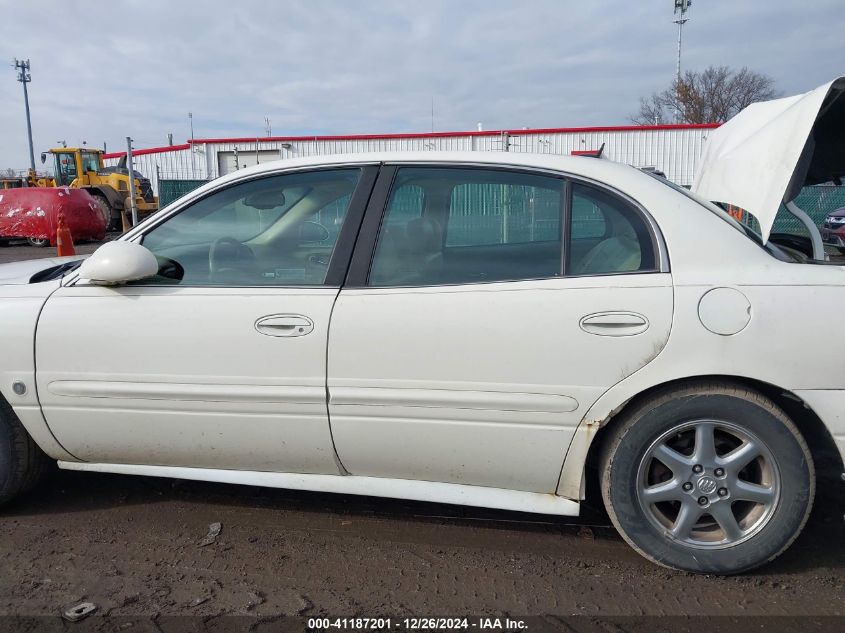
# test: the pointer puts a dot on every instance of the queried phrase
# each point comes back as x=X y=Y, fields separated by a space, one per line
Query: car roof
x=594 y=168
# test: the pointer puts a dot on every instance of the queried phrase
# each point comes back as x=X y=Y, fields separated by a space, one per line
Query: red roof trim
x=149 y=150
x=371 y=137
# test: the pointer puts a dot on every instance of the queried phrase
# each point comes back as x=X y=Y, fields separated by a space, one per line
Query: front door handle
x=284 y=325
x=614 y=323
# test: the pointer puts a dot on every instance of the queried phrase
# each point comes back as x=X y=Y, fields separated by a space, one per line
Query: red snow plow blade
x=33 y=212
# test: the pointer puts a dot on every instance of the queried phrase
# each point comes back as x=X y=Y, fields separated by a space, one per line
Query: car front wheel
x=707 y=478
x=22 y=463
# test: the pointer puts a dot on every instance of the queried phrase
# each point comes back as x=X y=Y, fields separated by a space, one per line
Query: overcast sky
x=105 y=70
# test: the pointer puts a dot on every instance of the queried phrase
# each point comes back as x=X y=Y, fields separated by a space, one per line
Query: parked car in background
x=833 y=230
x=488 y=329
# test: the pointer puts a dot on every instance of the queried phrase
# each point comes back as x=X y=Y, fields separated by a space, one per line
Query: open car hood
x=764 y=155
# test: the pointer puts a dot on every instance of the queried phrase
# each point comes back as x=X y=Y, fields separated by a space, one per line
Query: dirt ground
x=132 y=547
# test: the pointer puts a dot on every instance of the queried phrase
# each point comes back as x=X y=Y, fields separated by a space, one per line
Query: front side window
x=90 y=162
x=468 y=226
x=278 y=231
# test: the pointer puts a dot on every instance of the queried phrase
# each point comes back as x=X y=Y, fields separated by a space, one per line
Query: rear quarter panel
x=786 y=342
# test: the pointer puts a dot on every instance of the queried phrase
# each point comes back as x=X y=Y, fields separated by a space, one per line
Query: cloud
x=136 y=68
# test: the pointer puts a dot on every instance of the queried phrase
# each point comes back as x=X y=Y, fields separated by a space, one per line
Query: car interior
x=463 y=227
x=278 y=230
x=442 y=226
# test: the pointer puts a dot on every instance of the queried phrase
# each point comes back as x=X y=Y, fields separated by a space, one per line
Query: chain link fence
x=817 y=201
x=170 y=190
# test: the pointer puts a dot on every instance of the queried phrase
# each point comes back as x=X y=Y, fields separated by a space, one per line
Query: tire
x=38 y=242
x=22 y=463
x=105 y=208
x=758 y=480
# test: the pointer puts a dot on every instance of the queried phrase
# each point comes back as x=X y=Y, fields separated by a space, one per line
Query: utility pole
x=681 y=8
x=131 y=174
x=193 y=166
x=267 y=129
x=24 y=76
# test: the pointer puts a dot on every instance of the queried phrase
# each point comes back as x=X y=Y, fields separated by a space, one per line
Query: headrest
x=424 y=235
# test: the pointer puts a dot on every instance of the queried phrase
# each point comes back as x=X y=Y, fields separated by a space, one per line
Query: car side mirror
x=118 y=262
x=43 y=158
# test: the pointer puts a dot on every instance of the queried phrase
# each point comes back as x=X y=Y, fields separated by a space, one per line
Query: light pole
x=25 y=77
x=681 y=8
x=191 y=122
x=130 y=172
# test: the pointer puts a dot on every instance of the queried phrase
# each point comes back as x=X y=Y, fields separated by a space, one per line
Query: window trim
x=376 y=211
x=565 y=228
x=365 y=245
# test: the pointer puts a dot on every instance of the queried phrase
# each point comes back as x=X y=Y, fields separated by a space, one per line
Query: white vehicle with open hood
x=488 y=329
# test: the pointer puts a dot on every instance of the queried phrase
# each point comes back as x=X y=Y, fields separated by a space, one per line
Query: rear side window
x=608 y=236
x=474 y=225
x=508 y=213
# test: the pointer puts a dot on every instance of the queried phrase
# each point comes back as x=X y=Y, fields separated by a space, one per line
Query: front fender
x=20 y=306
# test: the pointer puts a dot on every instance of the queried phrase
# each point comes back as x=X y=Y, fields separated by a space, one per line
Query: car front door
x=219 y=361
x=483 y=315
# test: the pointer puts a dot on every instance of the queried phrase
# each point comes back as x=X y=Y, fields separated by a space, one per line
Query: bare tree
x=9 y=173
x=713 y=95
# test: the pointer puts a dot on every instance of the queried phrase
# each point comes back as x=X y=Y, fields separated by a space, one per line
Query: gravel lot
x=132 y=546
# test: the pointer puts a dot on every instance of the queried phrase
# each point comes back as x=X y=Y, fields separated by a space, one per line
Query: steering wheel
x=228 y=254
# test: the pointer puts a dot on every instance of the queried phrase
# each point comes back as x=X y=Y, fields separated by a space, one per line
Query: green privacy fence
x=487 y=213
x=817 y=201
x=170 y=190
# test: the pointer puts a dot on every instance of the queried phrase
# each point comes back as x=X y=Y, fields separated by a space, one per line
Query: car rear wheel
x=22 y=463
x=707 y=478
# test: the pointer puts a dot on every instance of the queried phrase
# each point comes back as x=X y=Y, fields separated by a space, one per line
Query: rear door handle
x=284 y=325
x=614 y=323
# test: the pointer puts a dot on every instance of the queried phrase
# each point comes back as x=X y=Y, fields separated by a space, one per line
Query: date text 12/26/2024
x=417 y=624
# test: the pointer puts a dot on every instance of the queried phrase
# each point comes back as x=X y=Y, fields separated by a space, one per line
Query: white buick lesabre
x=475 y=328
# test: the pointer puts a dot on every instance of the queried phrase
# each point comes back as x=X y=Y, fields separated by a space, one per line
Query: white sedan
x=489 y=329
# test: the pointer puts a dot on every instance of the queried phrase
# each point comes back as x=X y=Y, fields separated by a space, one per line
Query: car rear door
x=468 y=344
x=220 y=360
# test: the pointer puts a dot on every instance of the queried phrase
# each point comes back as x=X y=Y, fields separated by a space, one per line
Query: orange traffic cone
x=64 y=240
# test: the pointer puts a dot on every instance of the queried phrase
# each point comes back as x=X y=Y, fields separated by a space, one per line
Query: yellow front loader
x=82 y=168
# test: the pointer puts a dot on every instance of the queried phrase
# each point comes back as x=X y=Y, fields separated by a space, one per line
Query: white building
x=672 y=149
